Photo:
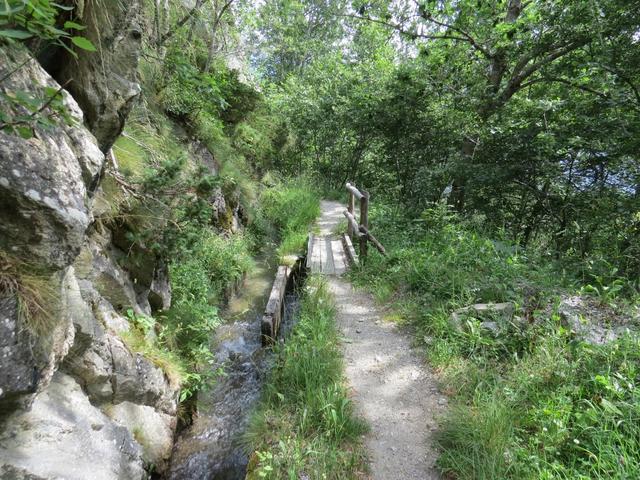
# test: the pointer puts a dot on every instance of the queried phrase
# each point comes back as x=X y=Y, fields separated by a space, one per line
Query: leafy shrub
x=199 y=278
x=186 y=90
x=22 y=20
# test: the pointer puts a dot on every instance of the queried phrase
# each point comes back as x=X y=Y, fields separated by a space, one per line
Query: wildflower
x=576 y=441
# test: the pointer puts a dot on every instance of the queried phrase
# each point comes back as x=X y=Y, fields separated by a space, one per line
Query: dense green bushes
x=200 y=279
x=539 y=134
x=565 y=410
x=173 y=219
x=306 y=424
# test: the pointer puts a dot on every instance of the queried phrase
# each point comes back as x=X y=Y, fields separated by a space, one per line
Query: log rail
x=360 y=229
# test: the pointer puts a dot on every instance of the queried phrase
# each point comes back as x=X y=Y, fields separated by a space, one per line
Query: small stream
x=210 y=449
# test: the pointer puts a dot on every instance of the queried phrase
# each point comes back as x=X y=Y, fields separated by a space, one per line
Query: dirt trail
x=393 y=389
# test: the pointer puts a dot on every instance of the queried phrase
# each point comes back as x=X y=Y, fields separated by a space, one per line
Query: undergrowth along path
x=393 y=388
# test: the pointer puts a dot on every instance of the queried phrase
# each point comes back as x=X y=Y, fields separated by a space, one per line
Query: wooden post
x=350 y=208
x=349 y=250
x=273 y=311
x=364 y=231
x=364 y=222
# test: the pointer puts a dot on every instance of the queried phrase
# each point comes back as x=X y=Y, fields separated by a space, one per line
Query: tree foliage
x=529 y=111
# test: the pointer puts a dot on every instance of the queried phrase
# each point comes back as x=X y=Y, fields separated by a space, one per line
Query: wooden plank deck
x=326 y=256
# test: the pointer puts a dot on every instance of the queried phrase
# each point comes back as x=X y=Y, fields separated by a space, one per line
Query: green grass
x=170 y=363
x=131 y=156
x=530 y=401
x=292 y=207
x=306 y=424
x=37 y=293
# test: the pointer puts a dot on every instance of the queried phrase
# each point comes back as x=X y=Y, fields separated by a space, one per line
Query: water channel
x=211 y=448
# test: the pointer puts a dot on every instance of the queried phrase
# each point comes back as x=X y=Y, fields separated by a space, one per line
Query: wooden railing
x=359 y=230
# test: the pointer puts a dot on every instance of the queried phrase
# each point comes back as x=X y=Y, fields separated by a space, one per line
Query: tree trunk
x=535 y=213
x=214 y=31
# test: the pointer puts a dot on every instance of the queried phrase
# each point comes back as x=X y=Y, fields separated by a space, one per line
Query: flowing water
x=210 y=449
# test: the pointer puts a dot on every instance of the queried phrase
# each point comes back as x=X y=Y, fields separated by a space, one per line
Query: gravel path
x=393 y=389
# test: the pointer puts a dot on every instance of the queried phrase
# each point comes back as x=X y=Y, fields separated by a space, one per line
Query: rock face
x=18 y=366
x=75 y=401
x=44 y=181
x=97 y=263
x=30 y=354
x=64 y=436
x=102 y=363
x=152 y=430
x=105 y=82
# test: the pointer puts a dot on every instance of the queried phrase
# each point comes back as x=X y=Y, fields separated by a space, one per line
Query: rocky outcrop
x=160 y=288
x=33 y=344
x=61 y=373
x=98 y=264
x=492 y=316
x=153 y=430
x=99 y=374
x=594 y=322
x=105 y=83
x=100 y=360
x=64 y=436
x=45 y=180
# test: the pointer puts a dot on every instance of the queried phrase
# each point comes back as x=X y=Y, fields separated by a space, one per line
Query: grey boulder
x=63 y=436
x=45 y=180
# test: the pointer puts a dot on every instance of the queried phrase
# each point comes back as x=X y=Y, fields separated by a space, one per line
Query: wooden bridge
x=331 y=252
x=328 y=253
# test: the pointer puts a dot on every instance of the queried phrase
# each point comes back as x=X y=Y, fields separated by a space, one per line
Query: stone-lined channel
x=211 y=448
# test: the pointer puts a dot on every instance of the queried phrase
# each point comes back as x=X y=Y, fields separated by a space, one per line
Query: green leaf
x=609 y=407
x=50 y=91
x=8 y=10
x=25 y=132
x=64 y=45
x=55 y=31
x=73 y=25
x=17 y=34
x=83 y=43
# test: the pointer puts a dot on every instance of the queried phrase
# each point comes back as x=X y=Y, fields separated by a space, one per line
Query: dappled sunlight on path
x=392 y=387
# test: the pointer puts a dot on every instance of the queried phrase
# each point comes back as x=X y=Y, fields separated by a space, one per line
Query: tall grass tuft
x=292 y=207
x=306 y=426
x=37 y=294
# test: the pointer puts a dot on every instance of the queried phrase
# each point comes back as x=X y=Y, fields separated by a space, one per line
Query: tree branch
x=181 y=22
x=214 y=30
x=466 y=37
x=566 y=82
x=405 y=32
x=524 y=69
x=625 y=79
